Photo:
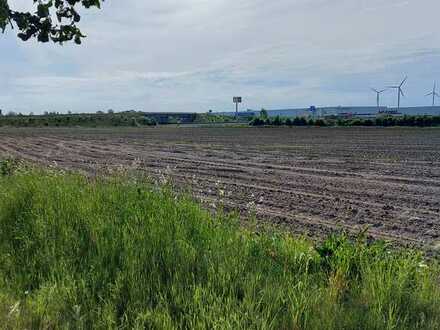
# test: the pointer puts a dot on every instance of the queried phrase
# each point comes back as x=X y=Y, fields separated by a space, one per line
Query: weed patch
x=115 y=253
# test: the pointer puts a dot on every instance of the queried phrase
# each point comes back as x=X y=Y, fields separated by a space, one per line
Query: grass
x=78 y=253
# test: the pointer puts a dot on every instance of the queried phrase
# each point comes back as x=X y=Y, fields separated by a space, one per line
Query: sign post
x=236 y=100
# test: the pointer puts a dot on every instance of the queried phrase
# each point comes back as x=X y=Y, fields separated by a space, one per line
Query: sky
x=195 y=55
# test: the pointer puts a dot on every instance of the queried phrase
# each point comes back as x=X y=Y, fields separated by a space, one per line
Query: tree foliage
x=4 y=14
x=263 y=114
x=53 y=20
x=381 y=121
x=54 y=119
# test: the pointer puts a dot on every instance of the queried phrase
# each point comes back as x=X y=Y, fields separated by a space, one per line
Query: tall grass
x=119 y=253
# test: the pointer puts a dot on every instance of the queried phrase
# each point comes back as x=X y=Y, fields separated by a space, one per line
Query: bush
x=299 y=121
x=320 y=123
x=257 y=121
x=8 y=166
x=277 y=121
x=148 y=121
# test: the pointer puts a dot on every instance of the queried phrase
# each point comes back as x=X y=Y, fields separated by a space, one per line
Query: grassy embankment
x=107 y=253
x=124 y=119
x=120 y=119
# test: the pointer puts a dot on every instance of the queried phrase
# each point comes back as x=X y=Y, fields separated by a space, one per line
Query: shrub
x=320 y=122
x=8 y=166
x=277 y=121
x=299 y=121
x=257 y=121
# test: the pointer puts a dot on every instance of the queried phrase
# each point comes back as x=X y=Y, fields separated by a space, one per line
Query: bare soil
x=311 y=180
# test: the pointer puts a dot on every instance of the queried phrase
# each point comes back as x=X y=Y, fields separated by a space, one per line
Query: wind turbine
x=378 y=95
x=434 y=94
x=399 y=91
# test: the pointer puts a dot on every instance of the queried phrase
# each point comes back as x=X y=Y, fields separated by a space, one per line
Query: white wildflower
x=423 y=265
x=15 y=309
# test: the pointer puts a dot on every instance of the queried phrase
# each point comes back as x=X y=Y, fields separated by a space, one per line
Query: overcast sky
x=194 y=55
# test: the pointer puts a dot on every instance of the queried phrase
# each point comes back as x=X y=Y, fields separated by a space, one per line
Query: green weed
x=120 y=253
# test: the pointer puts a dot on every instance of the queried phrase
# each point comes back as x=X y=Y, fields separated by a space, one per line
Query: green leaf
x=4 y=14
x=39 y=24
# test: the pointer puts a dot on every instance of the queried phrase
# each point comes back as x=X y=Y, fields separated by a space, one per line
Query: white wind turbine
x=399 y=91
x=434 y=94
x=378 y=92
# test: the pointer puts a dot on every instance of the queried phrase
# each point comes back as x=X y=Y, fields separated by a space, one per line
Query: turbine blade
x=404 y=80
x=374 y=90
x=401 y=92
x=429 y=94
x=383 y=90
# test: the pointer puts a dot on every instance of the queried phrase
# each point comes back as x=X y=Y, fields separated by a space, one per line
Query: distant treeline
x=87 y=120
x=383 y=121
x=137 y=119
x=101 y=119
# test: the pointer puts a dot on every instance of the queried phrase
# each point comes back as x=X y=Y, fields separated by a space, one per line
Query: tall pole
x=237 y=99
x=378 y=99
x=398 y=97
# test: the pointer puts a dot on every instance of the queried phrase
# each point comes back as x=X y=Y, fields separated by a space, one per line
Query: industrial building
x=342 y=111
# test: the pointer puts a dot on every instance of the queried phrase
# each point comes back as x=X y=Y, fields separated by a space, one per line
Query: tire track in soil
x=306 y=183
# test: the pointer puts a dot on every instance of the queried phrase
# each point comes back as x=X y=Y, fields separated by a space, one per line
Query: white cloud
x=195 y=54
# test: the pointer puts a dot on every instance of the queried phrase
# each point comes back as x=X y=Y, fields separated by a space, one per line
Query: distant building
x=343 y=111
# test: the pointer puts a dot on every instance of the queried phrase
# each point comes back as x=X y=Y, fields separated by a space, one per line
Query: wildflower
x=163 y=179
x=14 y=309
x=423 y=265
x=250 y=204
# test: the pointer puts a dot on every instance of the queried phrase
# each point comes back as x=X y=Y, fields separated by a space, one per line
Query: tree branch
x=41 y=24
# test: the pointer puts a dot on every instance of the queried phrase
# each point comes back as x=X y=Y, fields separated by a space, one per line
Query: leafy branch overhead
x=53 y=20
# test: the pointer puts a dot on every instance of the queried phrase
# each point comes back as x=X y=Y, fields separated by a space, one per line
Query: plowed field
x=312 y=180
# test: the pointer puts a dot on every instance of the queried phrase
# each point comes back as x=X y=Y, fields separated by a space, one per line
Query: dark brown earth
x=312 y=180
